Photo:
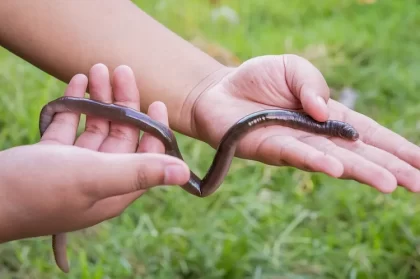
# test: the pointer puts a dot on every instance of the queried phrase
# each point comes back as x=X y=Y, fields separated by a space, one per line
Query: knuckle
x=118 y=132
x=94 y=128
x=123 y=133
x=63 y=121
x=142 y=180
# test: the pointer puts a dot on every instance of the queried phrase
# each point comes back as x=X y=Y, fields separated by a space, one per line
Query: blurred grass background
x=264 y=222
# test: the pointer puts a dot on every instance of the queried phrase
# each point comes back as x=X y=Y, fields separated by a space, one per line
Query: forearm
x=67 y=37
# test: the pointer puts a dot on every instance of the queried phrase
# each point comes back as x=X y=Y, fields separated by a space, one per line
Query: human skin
x=67 y=185
x=204 y=98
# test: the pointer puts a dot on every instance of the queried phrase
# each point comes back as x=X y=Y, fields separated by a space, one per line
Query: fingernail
x=174 y=174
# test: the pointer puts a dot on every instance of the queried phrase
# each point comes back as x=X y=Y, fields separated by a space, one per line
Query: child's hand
x=380 y=158
x=53 y=186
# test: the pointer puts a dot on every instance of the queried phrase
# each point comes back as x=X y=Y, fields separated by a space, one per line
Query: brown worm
x=225 y=151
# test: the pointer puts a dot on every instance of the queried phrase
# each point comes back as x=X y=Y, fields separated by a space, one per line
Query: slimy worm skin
x=224 y=154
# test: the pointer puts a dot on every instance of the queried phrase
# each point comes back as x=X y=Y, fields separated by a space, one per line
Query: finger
x=308 y=84
x=406 y=175
x=122 y=137
x=275 y=149
x=117 y=174
x=149 y=143
x=376 y=135
x=114 y=206
x=63 y=128
x=96 y=128
x=356 y=167
x=111 y=207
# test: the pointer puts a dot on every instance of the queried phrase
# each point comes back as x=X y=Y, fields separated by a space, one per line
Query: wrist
x=185 y=123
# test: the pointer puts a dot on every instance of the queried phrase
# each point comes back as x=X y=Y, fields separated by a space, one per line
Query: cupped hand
x=380 y=158
x=65 y=183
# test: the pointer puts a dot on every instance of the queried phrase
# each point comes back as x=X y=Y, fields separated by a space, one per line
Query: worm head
x=348 y=132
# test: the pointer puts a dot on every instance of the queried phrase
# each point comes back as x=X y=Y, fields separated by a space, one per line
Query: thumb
x=308 y=84
x=111 y=174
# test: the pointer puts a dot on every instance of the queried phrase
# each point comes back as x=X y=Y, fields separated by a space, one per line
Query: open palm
x=380 y=158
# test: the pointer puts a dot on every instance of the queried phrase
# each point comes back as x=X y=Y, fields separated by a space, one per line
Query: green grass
x=264 y=222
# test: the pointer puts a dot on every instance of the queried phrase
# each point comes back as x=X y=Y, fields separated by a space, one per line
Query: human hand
x=379 y=158
x=53 y=186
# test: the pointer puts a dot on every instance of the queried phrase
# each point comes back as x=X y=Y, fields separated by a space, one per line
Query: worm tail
x=59 y=242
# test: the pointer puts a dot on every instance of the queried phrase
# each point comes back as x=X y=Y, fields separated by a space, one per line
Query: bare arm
x=64 y=38
x=68 y=37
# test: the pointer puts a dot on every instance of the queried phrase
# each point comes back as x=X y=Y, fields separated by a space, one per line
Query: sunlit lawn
x=264 y=222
